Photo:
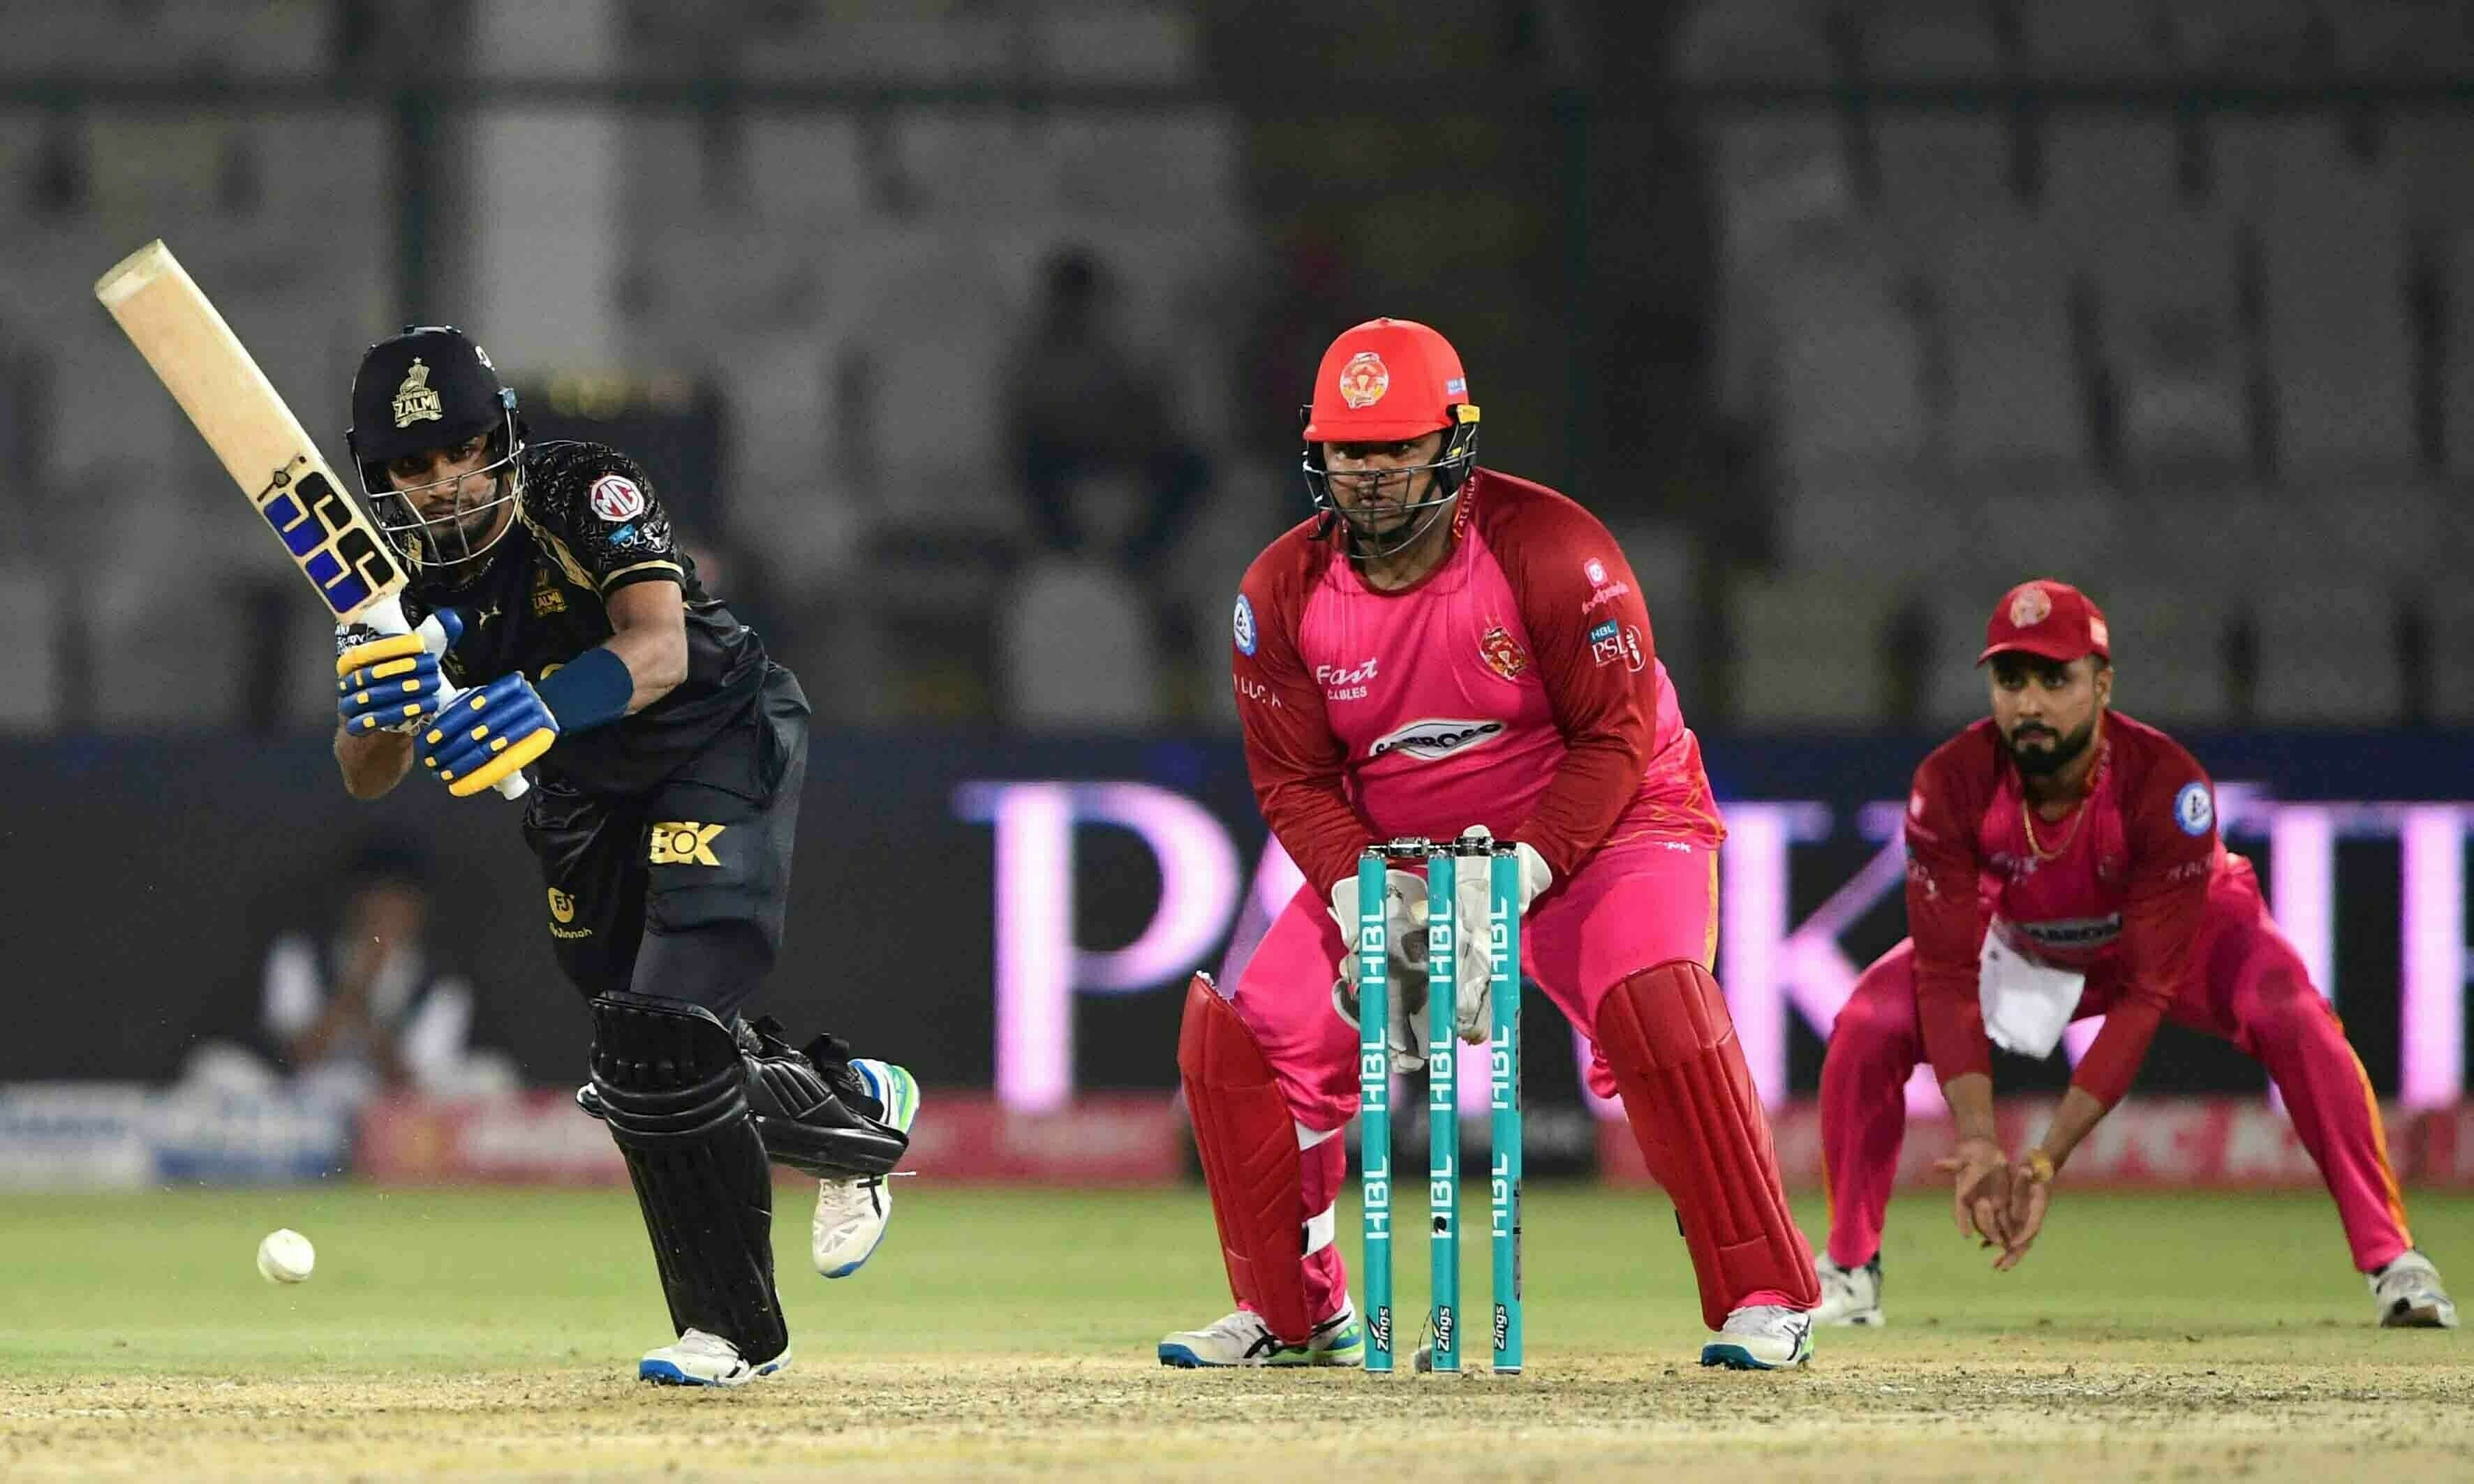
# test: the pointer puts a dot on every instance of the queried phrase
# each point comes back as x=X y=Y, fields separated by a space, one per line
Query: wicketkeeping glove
x=1473 y=944
x=488 y=733
x=1404 y=920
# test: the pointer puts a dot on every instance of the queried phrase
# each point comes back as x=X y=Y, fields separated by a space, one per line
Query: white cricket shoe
x=700 y=1359
x=1849 y=1296
x=2410 y=1296
x=851 y=1214
x=1762 y=1337
x=1243 y=1339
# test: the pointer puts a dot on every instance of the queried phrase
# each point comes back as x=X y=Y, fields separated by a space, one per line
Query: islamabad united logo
x=2029 y=608
x=617 y=498
x=1502 y=653
x=1364 y=380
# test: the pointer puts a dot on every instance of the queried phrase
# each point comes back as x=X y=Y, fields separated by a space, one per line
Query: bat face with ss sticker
x=486 y=734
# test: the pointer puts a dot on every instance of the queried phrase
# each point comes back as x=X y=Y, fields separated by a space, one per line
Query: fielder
x=2063 y=862
x=663 y=816
x=1443 y=647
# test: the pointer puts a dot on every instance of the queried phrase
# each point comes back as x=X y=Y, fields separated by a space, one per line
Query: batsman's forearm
x=1971 y=1104
x=656 y=663
x=372 y=763
x=2079 y=1114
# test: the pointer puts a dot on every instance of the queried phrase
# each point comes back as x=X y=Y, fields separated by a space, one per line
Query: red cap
x=2050 y=620
x=1385 y=380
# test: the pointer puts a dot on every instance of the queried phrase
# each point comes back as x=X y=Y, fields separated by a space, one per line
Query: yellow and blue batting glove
x=388 y=683
x=486 y=734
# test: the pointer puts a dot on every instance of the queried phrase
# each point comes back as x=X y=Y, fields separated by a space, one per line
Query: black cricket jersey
x=588 y=524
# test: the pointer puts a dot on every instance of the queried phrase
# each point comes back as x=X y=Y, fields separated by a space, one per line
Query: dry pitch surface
x=1004 y=1335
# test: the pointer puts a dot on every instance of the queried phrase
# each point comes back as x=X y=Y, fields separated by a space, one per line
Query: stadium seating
x=2092 y=40
x=1808 y=651
x=2327 y=655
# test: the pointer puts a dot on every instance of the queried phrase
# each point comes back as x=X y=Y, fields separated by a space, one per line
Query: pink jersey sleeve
x=1588 y=629
x=2171 y=831
x=1291 y=754
x=1945 y=915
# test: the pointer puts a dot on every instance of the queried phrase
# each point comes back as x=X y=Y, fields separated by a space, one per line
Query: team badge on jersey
x=615 y=497
x=2195 y=809
x=1245 y=626
x=1502 y=653
x=2030 y=608
x=1364 y=379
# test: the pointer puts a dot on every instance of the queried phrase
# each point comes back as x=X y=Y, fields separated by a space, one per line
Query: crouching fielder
x=1443 y=647
x=2063 y=862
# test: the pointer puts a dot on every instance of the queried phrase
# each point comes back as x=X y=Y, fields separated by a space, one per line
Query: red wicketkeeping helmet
x=1386 y=381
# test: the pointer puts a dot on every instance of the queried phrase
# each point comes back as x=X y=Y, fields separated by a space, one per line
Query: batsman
x=1442 y=647
x=662 y=815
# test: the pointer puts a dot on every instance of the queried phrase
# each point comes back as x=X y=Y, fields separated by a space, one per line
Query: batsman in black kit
x=662 y=810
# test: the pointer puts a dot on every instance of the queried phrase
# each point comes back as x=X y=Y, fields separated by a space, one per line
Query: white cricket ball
x=285 y=1256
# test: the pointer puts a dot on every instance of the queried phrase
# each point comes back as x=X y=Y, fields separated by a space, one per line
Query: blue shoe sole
x=1185 y=1359
x=664 y=1373
x=1735 y=1357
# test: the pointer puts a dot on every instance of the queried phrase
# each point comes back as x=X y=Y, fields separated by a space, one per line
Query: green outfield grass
x=493 y=1332
x=417 y=1279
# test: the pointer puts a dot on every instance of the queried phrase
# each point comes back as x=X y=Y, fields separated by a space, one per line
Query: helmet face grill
x=446 y=540
x=1449 y=469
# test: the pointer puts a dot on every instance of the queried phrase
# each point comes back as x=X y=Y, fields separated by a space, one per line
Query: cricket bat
x=293 y=489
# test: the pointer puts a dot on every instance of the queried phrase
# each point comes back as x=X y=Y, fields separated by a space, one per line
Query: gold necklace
x=2027 y=818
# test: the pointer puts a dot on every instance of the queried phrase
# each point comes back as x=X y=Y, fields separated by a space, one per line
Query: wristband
x=2040 y=1167
x=591 y=689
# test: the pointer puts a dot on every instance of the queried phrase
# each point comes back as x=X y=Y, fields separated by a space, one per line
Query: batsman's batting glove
x=1473 y=945
x=388 y=683
x=489 y=732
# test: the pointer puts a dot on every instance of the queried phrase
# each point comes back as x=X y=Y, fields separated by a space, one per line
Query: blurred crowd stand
x=2163 y=297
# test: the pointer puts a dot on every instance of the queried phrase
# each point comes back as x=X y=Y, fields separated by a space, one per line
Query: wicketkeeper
x=1443 y=646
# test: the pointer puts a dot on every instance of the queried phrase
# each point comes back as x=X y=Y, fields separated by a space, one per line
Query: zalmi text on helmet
x=414 y=399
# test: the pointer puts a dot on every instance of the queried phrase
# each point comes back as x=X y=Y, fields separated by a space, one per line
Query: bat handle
x=386 y=615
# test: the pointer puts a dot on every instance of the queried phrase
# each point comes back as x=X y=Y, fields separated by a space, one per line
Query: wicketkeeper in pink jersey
x=2063 y=862
x=1443 y=647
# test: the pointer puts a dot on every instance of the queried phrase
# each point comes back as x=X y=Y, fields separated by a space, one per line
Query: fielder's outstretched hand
x=2031 y=1190
x=1981 y=1191
x=489 y=732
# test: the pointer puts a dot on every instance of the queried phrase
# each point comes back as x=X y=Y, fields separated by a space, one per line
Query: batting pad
x=674 y=1093
x=1248 y=1146
x=1698 y=1121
